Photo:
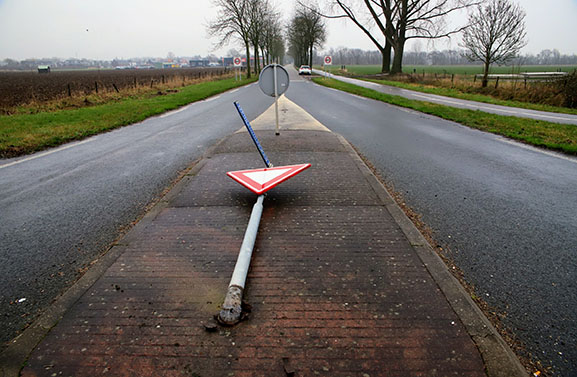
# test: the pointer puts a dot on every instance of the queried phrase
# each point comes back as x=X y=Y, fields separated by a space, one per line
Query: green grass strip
x=559 y=137
x=455 y=93
x=26 y=133
x=447 y=92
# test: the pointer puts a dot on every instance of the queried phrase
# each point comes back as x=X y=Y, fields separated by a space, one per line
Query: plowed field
x=21 y=88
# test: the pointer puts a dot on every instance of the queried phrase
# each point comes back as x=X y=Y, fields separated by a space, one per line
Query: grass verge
x=448 y=92
x=535 y=97
x=559 y=137
x=26 y=133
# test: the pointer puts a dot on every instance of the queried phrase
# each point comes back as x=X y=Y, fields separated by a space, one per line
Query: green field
x=456 y=69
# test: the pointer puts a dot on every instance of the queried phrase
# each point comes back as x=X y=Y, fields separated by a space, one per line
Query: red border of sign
x=258 y=188
x=328 y=60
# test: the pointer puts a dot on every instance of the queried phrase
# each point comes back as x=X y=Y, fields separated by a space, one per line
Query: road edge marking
x=43 y=154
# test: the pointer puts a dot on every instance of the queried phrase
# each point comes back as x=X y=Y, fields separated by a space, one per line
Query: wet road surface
x=62 y=208
x=506 y=211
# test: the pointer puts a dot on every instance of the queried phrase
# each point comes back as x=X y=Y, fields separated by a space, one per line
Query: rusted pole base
x=231 y=311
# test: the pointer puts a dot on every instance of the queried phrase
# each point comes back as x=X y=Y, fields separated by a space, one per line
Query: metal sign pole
x=274 y=80
x=231 y=311
x=276 y=101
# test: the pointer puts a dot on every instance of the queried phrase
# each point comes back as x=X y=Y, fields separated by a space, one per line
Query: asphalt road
x=505 y=211
x=61 y=209
x=460 y=103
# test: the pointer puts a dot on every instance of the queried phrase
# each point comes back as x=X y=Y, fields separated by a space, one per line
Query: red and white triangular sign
x=260 y=181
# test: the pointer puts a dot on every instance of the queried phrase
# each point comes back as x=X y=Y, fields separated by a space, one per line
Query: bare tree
x=233 y=21
x=397 y=21
x=297 y=47
x=259 y=15
x=272 y=45
x=496 y=34
x=306 y=31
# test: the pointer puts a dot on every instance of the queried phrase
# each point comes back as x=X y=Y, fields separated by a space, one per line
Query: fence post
x=115 y=88
x=497 y=83
x=96 y=86
x=69 y=91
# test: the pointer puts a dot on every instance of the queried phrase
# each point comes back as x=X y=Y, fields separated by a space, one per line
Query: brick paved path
x=335 y=288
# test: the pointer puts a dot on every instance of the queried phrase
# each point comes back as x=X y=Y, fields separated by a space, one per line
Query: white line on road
x=234 y=90
x=174 y=112
x=534 y=149
x=45 y=153
x=211 y=99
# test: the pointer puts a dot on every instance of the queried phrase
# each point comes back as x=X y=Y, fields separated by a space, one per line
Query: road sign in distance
x=328 y=60
x=266 y=80
x=260 y=181
x=237 y=62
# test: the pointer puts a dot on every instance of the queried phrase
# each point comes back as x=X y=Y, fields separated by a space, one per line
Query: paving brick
x=335 y=288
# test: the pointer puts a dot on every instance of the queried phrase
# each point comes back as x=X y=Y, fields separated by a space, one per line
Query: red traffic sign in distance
x=328 y=60
x=260 y=181
x=237 y=62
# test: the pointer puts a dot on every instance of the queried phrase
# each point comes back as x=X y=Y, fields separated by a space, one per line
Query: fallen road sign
x=260 y=181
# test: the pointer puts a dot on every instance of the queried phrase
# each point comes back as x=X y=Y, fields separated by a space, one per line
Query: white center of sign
x=262 y=177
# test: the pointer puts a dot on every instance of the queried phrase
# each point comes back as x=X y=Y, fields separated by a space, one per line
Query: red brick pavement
x=335 y=287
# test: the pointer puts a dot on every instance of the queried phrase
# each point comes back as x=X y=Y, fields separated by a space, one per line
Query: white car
x=305 y=70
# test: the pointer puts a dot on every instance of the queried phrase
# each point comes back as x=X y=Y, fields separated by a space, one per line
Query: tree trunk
x=398 y=58
x=387 y=51
x=386 y=68
x=400 y=40
x=247 y=60
x=256 y=62
x=264 y=57
x=485 y=75
x=311 y=57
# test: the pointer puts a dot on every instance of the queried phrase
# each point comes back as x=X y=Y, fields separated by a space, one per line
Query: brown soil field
x=25 y=88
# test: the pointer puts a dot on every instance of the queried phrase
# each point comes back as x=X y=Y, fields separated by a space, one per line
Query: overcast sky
x=108 y=29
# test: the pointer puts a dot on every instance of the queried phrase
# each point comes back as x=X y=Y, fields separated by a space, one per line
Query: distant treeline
x=349 y=56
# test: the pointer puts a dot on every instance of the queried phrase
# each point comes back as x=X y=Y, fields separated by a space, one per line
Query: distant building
x=43 y=69
x=199 y=63
x=170 y=65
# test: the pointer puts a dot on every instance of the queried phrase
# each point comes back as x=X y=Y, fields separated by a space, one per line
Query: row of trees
x=416 y=56
x=494 y=32
x=306 y=31
x=389 y=24
x=255 y=23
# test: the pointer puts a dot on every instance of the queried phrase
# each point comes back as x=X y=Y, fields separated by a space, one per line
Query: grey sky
x=107 y=29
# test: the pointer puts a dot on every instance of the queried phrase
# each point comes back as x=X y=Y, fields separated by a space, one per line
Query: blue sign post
x=253 y=136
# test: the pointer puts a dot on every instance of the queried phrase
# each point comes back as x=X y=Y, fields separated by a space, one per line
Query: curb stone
x=500 y=360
